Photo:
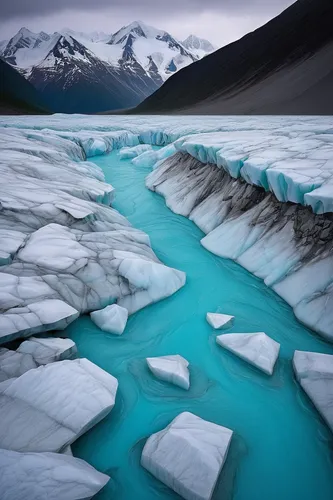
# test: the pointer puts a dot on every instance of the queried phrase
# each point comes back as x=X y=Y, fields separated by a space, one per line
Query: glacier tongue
x=51 y=476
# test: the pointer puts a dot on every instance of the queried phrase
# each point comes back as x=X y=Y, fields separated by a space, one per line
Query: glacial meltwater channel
x=281 y=448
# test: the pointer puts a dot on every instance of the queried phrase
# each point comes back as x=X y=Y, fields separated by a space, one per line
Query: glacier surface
x=261 y=188
x=49 y=349
x=64 y=251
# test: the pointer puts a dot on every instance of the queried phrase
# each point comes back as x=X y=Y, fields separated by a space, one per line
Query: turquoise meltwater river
x=281 y=448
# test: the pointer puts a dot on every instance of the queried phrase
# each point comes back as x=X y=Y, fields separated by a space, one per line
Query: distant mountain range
x=284 y=67
x=77 y=72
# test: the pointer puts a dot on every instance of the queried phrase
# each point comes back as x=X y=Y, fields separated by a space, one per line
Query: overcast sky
x=220 y=21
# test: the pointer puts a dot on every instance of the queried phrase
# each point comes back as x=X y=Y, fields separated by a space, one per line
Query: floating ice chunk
x=42 y=316
x=48 y=408
x=111 y=319
x=47 y=476
x=314 y=372
x=48 y=350
x=256 y=348
x=134 y=151
x=219 y=321
x=151 y=158
x=173 y=369
x=14 y=364
x=188 y=455
x=153 y=280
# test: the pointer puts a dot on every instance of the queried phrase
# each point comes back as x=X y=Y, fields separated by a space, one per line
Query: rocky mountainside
x=17 y=95
x=91 y=72
x=284 y=67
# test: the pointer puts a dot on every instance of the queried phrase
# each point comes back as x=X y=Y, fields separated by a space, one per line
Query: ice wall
x=283 y=243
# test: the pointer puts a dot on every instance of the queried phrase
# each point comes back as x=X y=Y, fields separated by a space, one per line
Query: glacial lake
x=281 y=448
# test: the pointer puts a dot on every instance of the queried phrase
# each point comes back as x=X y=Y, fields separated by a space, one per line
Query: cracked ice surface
x=48 y=350
x=33 y=353
x=47 y=183
x=291 y=156
x=54 y=404
x=51 y=476
x=63 y=249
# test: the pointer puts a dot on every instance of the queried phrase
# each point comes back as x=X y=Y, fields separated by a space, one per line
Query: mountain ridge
x=263 y=72
x=66 y=66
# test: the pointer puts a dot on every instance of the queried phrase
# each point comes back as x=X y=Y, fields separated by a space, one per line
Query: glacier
x=266 y=182
x=70 y=252
x=64 y=252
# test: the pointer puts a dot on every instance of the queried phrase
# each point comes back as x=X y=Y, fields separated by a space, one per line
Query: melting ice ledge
x=260 y=188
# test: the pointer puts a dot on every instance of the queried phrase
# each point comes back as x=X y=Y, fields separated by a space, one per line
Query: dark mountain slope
x=17 y=95
x=284 y=67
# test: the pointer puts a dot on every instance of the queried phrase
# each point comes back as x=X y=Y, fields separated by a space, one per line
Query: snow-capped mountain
x=198 y=46
x=90 y=72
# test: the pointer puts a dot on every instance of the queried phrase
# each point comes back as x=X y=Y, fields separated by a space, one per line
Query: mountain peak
x=195 y=43
x=25 y=32
x=137 y=29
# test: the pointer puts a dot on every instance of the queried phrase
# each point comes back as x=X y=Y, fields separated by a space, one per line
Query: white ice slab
x=49 y=407
x=314 y=372
x=134 y=151
x=256 y=348
x=219 y=321
x=188 y=455
x=111 y=319
x=173 y=369
x=47 y=476
x=48 y=350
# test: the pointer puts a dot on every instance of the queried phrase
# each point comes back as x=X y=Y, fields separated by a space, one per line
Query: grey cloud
x=11 y=9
